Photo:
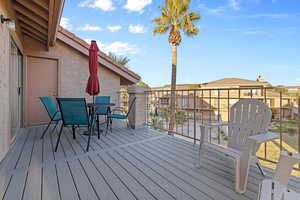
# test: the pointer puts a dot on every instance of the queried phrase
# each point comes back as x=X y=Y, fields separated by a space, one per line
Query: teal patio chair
x=53 y=112
x=102 y=110
x=119 y=115
x=74 y=114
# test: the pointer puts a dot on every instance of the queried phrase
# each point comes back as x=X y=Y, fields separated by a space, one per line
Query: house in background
x=216 y=93
x=39 y=58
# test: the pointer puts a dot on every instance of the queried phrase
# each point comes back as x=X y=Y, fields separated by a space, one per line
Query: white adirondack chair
x=247 y=129
x=276 y=188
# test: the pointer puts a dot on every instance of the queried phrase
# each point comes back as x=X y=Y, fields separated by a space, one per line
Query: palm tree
x=175 y=18
x=123 y=60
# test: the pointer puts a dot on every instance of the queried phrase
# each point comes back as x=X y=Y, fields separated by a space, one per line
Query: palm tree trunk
x=173 y=88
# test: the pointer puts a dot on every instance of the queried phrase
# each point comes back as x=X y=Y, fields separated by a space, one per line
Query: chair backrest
x=50 y=105
x=73 y=111
x=247 y=117
x=102 y=99
x=131 y=106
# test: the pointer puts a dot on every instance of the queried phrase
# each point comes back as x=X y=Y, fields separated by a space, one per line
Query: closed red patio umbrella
x=93 y=86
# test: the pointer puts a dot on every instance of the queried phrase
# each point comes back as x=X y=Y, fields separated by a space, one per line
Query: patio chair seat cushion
x=118 y=116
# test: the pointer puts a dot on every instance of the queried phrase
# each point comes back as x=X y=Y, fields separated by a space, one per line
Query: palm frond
x=175 y=16
x=194 y=16
x=161 y=29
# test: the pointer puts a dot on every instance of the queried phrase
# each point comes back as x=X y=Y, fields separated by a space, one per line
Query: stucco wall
x=4 y=91
x=73 y=70
x=5 y=39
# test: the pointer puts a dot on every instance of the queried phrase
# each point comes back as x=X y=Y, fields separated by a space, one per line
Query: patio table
x=92 y=111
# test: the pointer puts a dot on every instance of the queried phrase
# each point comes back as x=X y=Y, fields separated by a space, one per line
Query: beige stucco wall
x=73 y=70
x=4 y=91
x=5 y=39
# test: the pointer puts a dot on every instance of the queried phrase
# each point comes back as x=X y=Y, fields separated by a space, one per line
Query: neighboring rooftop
x=225 y=82
x=236 y=82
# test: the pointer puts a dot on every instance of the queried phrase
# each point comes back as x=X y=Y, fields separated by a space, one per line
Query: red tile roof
x=101 y=54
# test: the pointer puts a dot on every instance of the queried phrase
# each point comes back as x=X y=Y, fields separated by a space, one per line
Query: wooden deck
x=126 y=164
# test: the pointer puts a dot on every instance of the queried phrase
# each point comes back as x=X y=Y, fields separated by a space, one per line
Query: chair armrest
x=265 y=137
x=212 y=125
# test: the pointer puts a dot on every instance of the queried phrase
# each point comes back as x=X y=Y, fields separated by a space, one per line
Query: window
x=164 y=101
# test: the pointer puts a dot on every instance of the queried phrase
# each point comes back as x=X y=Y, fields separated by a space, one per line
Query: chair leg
x=260 y=169
x=107 y=124
x=89 y=139
x=98 y=126
x=60 y=132
x=111 y=125
x=73 y=130
x=55 y=126
x=46 y=129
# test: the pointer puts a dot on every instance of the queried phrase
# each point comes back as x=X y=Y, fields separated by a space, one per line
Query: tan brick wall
x=73 y=70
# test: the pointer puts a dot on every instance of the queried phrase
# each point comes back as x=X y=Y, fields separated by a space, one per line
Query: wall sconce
x=10 y=23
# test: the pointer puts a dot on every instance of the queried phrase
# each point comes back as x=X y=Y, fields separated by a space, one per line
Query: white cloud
x=137 y=5
x=66 y=23
x=217 y=10
x=136 y=29
x=105 y=5
x=234 y=4
x=114 y=28
x=118 y=48
x=88 y=27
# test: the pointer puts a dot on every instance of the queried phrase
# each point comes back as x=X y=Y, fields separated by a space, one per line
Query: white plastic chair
x=247 y=129
x=276 y=188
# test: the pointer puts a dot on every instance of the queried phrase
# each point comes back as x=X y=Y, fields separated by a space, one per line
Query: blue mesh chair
x=53 y=112
x=119 y=115
x=102 y=99
x=102 y=110
x=74 y=114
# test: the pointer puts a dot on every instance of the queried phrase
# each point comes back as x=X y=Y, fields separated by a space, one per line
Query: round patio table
x=92 y=111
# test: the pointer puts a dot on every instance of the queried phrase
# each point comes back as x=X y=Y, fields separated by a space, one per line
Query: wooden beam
x=33 y=36
x=36 y=32
x=32 y=24
x=42 y=4
x=37 y=19
x=34 y=8
x=55 y=11
x=50 y=20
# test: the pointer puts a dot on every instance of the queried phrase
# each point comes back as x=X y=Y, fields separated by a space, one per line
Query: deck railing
x=196 y=106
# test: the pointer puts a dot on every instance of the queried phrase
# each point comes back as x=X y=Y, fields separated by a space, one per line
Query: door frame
x=13 y=42
x=25 y=78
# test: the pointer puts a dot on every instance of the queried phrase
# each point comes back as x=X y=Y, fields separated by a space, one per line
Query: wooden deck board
x=123 y=165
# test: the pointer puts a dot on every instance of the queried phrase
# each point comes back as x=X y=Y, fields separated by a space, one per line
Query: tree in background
x=143 y=84
x=123 y=60
x=175 y=18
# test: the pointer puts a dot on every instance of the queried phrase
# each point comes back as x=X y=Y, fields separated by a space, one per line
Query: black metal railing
x=196 y=106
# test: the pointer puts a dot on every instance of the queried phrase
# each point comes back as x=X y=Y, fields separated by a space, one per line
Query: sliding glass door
x=16 y=59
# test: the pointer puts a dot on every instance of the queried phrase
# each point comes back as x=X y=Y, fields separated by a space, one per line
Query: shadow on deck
x=126 y=164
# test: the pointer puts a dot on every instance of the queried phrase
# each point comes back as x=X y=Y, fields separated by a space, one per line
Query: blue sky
x=238 y=38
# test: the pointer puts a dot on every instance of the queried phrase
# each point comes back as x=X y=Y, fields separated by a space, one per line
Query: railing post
x=137 y=115
x=195 y=117
x=299 y=126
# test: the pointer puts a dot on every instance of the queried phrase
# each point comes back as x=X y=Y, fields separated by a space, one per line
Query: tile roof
x=235 y=81
x=101 y=54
